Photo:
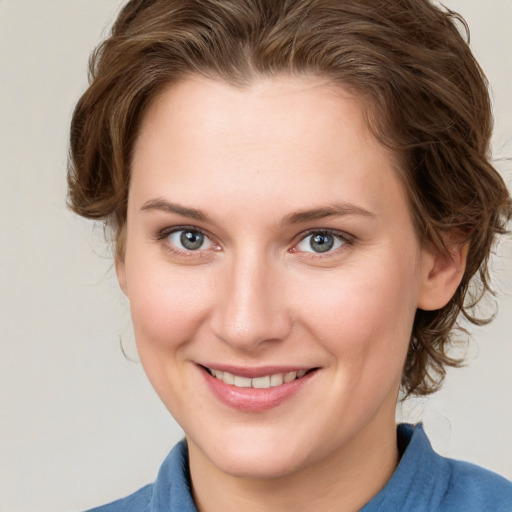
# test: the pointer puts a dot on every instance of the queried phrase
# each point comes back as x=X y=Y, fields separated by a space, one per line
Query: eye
x=189 y=240
x=321 y=242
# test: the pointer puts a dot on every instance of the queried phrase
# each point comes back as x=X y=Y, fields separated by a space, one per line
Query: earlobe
x=442 y=275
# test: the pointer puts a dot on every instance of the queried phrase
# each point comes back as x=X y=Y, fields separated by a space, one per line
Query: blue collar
x=172 y=490
x=423 y=482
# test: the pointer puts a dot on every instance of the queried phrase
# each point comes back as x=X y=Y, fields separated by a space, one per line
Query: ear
x=121 y=273
x=120 y=252
x=442 y=274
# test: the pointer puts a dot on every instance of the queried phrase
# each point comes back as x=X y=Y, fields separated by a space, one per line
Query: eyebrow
x=184 y=211
x=298 y=217
x=334 y=210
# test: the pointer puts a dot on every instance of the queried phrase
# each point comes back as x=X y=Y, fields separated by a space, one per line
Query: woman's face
x=269 y=242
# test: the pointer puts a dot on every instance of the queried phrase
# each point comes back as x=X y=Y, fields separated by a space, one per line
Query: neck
x=344 y=481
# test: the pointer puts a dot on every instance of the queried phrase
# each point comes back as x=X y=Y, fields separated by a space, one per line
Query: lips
x=263 y=382
x=256 y=390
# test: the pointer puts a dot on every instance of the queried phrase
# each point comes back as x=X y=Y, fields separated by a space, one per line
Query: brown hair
x=425 y=96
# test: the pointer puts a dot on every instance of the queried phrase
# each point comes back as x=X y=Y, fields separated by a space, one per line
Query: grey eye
x=320 y=242
x=189 y=240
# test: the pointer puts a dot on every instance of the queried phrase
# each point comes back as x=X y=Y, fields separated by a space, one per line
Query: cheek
x=167 y=305
x=364 y=314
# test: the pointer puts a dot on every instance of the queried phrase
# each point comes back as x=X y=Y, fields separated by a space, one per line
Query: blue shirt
x=423 y=482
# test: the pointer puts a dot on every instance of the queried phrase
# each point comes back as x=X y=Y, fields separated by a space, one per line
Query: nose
x=251 y=309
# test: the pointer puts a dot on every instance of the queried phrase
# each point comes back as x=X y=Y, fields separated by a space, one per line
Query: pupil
x=191 y=240
x=322 y=243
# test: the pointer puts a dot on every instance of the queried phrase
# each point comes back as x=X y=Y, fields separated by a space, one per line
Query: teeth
x=261 y=382
x=288 y=377
x=276 y=380
x=228 y=378
x=242 y=382
x=265 y=382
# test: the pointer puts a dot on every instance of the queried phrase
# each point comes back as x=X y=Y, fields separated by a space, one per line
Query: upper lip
x=260 y=371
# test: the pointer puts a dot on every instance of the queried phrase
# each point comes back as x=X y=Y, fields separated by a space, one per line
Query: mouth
x=271 y=380
x=255 y=390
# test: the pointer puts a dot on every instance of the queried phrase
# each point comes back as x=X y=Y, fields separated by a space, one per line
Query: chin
x=256 y=458
x=257 y=466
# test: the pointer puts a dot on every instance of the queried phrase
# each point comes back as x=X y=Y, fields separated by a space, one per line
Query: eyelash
x=345 y=239
x=162 y=236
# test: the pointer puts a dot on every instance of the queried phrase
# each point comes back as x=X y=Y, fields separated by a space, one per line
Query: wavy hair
x=425 y=96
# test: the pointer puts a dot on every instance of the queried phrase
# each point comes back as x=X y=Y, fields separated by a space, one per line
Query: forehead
x=291 y=140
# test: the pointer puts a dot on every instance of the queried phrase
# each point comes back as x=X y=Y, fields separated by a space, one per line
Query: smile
x=263 y=382
x=256 y=389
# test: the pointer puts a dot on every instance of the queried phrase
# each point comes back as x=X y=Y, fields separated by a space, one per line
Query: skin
x=256 y=294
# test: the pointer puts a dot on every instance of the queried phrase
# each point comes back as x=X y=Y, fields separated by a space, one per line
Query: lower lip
x=255 y=399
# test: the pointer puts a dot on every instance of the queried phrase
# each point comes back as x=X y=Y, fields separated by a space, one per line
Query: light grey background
x=79 y=425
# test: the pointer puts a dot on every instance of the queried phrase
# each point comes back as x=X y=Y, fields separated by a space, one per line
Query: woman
x=301 y=199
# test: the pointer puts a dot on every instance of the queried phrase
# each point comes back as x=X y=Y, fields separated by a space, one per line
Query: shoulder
x=170 y=491
x=138 y=501
x=477 y=487
x=425 y=481
x=454 y=485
